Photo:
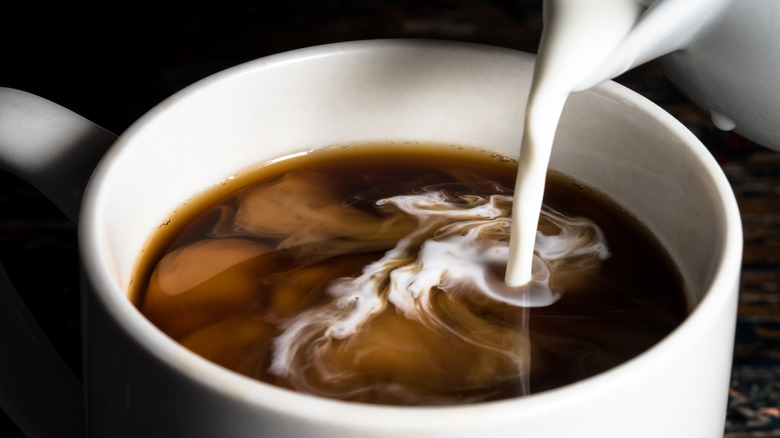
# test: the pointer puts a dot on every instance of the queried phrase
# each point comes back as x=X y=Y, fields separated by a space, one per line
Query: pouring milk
x=578 y=37
x=585 y=43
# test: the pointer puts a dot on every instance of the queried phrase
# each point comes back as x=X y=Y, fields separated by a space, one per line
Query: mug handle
x=55 y=150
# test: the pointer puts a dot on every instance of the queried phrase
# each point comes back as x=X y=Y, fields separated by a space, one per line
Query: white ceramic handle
x=666 y=26
x=49 y=146
x=55 y=150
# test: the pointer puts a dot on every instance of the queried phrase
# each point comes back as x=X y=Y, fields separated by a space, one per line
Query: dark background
x=113 y=63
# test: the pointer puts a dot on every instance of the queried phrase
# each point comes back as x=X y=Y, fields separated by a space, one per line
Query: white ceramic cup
x=138 y=382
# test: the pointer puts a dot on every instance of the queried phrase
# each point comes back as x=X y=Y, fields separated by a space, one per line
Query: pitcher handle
x=55 y=150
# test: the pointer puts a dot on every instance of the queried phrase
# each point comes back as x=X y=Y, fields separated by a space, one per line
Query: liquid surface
x=376 y=275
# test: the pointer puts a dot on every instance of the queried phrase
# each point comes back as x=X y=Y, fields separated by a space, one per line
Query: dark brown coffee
x=375 y=275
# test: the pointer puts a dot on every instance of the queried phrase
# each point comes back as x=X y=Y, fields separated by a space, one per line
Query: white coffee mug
x=139 y=382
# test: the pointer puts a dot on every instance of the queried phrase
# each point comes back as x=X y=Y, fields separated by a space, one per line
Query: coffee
x=376 y=275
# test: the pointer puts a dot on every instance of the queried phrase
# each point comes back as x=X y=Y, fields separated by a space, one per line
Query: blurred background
x=113 y=63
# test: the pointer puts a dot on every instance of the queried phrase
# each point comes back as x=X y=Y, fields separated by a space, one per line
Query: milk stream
x=578 y=36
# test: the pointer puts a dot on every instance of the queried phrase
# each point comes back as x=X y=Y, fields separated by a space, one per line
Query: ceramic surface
x=140 y=382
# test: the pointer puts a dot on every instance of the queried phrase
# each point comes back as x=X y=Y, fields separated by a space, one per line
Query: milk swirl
x=384 y=283
x=459 y=246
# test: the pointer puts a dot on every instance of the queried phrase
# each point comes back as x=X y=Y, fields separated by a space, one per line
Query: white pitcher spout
x=665 y=26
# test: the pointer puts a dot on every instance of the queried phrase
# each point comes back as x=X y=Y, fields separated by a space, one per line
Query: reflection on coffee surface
x=376 y=275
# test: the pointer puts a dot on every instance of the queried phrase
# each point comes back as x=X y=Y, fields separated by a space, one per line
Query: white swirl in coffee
x=459 y=246
x=384 y=283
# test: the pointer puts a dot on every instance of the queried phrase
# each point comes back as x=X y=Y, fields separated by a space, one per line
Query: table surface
x=113 y=64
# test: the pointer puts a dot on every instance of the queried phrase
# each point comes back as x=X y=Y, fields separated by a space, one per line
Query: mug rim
x=324 y=410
